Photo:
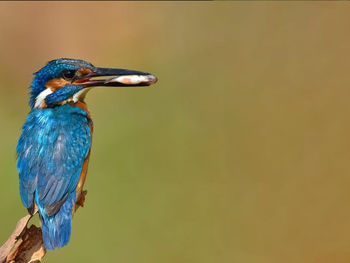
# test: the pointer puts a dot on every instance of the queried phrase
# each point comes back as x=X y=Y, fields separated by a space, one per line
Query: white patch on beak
x=40 y=99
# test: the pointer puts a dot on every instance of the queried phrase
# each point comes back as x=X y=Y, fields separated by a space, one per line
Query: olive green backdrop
x=241 y=151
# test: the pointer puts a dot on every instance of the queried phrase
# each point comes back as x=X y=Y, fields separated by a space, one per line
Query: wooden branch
x=25 y=245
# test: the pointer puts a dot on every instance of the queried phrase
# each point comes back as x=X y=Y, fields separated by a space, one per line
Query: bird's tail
x=57 y=228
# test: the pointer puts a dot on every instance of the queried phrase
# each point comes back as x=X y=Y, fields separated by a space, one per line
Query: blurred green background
x=240 y=153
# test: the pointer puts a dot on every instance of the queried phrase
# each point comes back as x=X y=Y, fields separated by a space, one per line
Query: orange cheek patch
x=56 y=84
x=84 y=71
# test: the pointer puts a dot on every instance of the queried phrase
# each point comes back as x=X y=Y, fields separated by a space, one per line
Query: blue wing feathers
x=50 y=154
x=57 y=228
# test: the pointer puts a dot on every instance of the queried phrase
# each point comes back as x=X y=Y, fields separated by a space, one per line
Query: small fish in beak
x=134 y=79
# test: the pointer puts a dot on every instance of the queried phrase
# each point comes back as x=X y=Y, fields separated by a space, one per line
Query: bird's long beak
x=116 y=78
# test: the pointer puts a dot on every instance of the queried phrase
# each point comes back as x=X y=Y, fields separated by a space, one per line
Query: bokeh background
x=240 y=153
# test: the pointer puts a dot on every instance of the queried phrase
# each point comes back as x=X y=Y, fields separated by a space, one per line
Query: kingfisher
x=54 y=147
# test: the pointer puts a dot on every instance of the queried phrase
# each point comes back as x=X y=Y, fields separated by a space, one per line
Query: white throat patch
x=40 y=99
x=80 y=95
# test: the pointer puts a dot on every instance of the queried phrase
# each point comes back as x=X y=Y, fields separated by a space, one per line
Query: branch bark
x=25 y=245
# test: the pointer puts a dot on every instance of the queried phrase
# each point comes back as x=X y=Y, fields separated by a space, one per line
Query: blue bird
x=54 y=147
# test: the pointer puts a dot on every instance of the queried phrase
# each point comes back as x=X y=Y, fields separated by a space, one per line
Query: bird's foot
x=81 y=198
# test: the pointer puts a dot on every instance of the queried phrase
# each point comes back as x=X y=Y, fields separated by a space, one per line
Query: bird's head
x=66 y=80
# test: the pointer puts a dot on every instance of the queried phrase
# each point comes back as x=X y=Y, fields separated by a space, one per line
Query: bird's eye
x=68 y=74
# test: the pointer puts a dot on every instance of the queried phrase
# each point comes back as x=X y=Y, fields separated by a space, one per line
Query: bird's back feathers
x=51 y=151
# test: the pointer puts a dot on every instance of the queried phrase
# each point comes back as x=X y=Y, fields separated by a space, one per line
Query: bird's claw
x=81 y=198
